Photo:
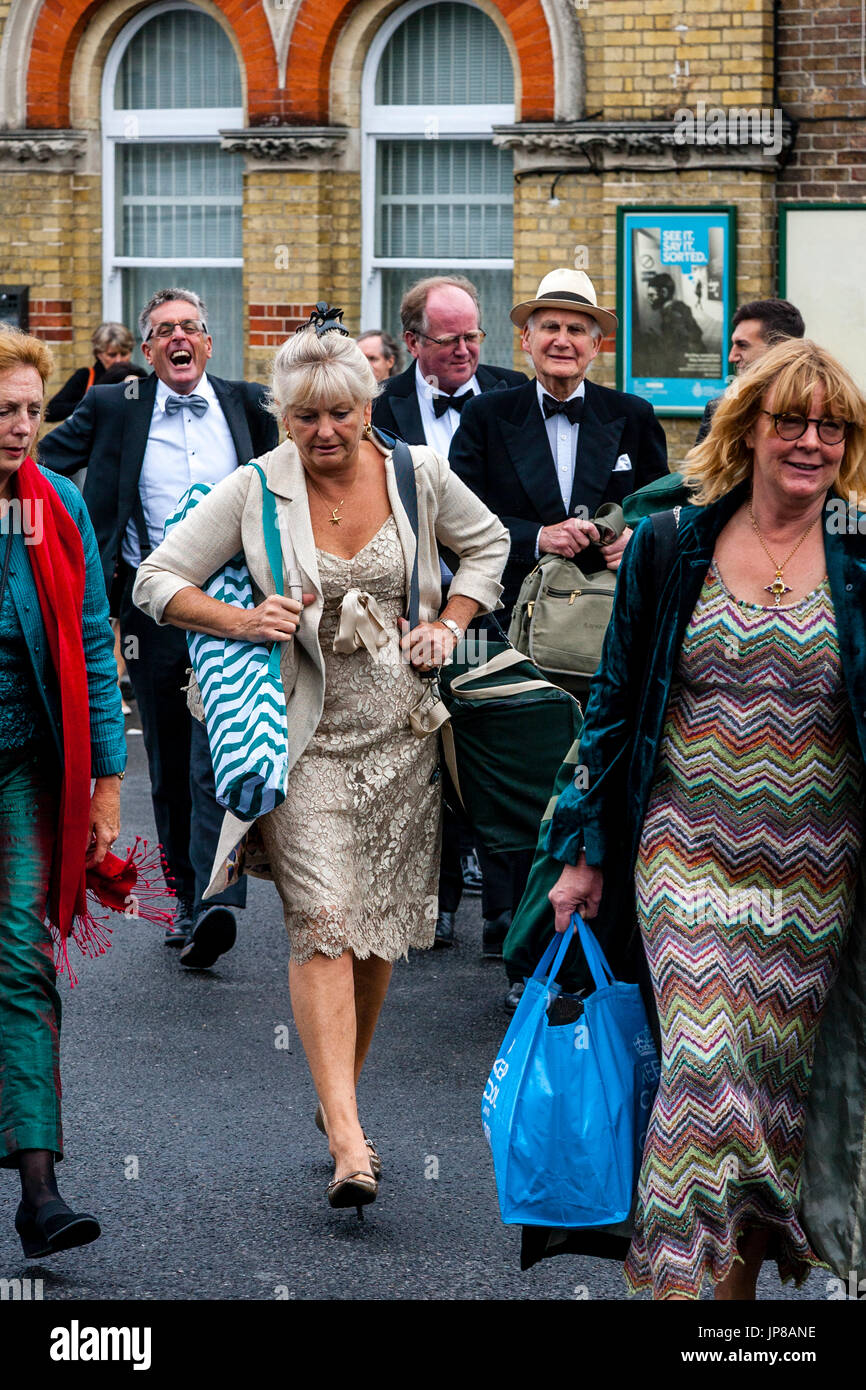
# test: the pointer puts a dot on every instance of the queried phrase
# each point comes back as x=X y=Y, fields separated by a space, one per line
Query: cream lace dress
x=354 y=848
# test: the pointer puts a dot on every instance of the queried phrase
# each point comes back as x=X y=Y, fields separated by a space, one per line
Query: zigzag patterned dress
x=745 y=883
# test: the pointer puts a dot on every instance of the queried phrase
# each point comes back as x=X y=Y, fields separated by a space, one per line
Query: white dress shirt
x=182 y=449
x=439 y=433
x=562 y=438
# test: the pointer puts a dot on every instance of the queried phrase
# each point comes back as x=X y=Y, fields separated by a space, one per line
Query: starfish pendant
x=777 y=588
x=335 y=517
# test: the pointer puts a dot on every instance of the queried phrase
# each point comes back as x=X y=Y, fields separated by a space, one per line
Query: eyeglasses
x=452 y=339
x=790 y=427
x=191 y=327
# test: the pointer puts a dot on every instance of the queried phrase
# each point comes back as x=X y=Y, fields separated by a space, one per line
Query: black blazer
x=107 y=435
x=397 y=410
x=501 y=451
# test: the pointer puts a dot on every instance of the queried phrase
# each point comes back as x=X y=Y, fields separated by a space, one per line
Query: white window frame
x=163 y=126
x=411 y=123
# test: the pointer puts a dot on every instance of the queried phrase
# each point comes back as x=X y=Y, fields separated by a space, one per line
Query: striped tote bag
x=240 y=683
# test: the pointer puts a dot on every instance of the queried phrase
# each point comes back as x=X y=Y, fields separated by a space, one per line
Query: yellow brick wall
x=302 y=242
x=39 y=246
x=637 y=53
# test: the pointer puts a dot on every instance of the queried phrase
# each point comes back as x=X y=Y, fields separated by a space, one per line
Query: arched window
x=172 y=199
x=437 y=194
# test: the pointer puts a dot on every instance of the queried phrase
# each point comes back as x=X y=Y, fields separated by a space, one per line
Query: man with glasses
x=441 y=318
x=442 y=330
x=143 y=444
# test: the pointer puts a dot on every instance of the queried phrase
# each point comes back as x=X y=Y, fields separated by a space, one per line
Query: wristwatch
x=452 y=627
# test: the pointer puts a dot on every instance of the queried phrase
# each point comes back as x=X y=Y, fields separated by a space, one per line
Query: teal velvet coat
x=107 y=739
x=619 y=750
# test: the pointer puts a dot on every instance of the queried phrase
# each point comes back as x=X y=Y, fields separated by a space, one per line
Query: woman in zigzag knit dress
x=736 y=735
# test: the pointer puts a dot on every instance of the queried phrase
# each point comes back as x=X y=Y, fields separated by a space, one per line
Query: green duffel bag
x=561 y=614
x=532 y=927
x=504 y=740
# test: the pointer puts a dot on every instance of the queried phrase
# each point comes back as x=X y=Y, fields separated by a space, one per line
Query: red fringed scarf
x=58 y=570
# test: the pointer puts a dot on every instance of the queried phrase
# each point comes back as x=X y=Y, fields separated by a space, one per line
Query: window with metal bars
x=438 y=194
x=173 y=198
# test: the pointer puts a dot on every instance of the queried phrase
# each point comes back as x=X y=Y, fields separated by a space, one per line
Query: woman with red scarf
x=60 y=725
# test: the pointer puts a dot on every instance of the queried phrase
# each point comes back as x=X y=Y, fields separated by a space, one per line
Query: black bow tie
x=572 y=410
x=443 y=403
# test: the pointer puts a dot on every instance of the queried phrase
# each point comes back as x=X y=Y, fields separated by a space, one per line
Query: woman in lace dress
x=728 y=718
x=354 y=848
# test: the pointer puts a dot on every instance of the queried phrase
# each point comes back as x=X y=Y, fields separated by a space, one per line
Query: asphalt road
x=190 y=1134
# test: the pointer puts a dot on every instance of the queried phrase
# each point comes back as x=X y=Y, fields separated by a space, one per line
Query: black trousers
x=188 y=817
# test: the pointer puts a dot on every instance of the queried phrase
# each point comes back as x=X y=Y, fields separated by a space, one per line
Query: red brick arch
x=314 y=36
x=317 y=28
x=62 y=22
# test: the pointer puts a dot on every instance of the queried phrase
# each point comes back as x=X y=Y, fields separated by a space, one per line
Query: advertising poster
x=675 y=298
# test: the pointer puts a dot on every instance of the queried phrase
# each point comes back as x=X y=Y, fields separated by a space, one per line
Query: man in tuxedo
x=545 y=456
x=441 y=317
x=441 y=328
x=143 y=444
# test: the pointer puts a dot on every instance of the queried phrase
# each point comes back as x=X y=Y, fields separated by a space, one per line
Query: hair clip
x=325 y=320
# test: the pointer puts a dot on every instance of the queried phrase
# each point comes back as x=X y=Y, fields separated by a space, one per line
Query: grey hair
x=165 y=297
x=310 y=370
x=109 y=335
x=596 y=327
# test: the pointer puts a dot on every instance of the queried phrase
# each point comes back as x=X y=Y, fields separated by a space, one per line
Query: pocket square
x=623 y=464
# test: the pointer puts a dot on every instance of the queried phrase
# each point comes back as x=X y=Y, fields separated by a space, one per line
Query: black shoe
x=512 y=998
x=180 y=931
x=493 y=934
x=215 y=933
x=471 y=871
x=444 y=929
x=53 y=1227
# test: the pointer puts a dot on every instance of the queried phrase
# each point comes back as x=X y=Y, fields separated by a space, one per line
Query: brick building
x=271 y=152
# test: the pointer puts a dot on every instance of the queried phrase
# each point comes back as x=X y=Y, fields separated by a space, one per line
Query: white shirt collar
x=427 y=391
x=202 y=388
x=542 y=392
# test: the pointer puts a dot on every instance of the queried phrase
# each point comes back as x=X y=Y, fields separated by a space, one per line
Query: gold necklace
x=335 y=517
x=778 y=587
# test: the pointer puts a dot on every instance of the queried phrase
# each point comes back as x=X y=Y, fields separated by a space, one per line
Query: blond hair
x=314 y=370
x=18 y=349
x=786 y=377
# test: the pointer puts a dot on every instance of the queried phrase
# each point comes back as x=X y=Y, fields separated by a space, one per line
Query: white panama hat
x=566 y=289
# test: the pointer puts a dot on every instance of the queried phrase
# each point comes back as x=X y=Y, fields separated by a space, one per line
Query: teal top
x=23 y=718
x=26 y=669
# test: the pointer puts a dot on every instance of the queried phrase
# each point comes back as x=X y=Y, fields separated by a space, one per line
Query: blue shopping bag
x=566 y=1106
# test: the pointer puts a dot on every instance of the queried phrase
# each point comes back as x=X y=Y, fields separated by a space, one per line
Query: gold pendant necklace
x=335 y=518
x=779 y=588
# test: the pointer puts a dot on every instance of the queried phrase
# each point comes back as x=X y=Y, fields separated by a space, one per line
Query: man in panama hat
x=546 y=455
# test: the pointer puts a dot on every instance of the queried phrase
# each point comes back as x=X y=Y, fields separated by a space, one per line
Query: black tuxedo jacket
x=501 y=451
x=397 y=410
x=107 y=434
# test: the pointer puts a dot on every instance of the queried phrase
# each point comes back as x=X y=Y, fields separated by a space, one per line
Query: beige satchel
x=561 y=614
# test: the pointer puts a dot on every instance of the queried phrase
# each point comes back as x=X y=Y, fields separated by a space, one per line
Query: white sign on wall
x=820 y=270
